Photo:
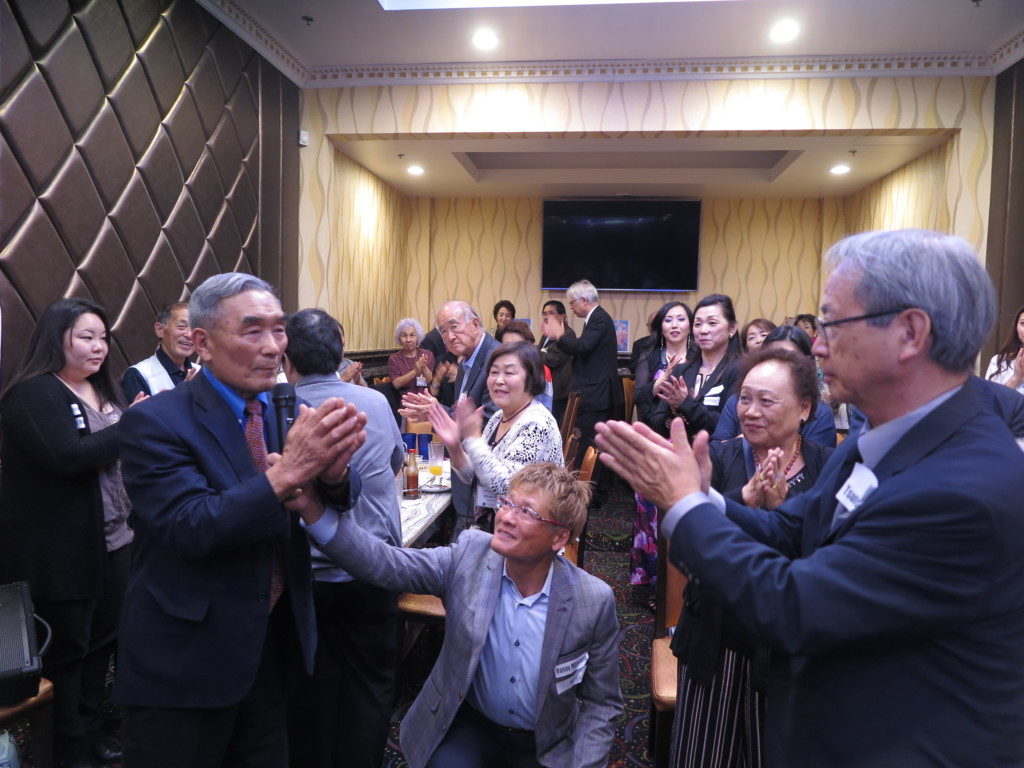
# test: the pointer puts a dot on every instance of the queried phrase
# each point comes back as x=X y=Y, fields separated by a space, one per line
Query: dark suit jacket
x=476 y=388
x=207 y=523
x=701 y=409
x=905 y=625
x=51 y=509
x=560 y=364
x=595 y=362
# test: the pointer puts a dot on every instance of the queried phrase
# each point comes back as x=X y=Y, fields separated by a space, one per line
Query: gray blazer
x=574 y=729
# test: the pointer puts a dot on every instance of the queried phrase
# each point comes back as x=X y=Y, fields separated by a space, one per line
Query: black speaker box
x=20 y=663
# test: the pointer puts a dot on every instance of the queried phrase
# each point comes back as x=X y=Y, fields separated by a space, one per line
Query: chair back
x=418 y=427
x=628 y=385
x=571 y=448
x=381 y=380
x=588 y=464
x=577 y=550
x=572 y=409
x=668 y=592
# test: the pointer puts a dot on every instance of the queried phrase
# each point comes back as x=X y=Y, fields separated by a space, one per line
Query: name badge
x=420 y=381
x=572 y=672
x=712 y=400
x=858 y=486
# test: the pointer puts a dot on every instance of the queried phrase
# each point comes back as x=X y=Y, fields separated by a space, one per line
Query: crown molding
x=255 y=34
x=958 y=65
x=978 y=64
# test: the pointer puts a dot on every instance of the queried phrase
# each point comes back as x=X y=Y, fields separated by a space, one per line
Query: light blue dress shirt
x=506 y=681
x=235 y=401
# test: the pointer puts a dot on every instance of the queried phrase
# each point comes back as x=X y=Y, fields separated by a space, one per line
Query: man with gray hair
x=219 y=607
x=893 y=591
x=595 y=356
x=465 y=337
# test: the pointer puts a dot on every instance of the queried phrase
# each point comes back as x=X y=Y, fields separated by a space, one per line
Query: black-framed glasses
x=824 y=325
x=504 y=501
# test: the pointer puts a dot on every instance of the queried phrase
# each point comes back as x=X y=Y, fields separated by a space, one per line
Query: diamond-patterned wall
x=142 y=149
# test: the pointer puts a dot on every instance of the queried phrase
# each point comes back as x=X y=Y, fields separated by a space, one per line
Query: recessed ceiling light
x=485 y=39
x=840 y=170
x=415 y=170
x=784 y=31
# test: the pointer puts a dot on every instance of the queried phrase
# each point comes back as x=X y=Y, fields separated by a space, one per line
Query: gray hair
x=582 y=289
x=404 y=323
x=204 y=306
x=938 y=273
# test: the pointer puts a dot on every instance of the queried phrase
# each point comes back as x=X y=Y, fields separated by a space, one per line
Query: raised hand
x=671 y=389
x=469 y=418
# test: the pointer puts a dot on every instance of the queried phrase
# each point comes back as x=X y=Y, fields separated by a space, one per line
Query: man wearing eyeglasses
x=893 y=590
x=528 y=672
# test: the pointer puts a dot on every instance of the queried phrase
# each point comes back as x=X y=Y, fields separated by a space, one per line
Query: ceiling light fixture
x=784 y=31
x=415 y=170
x=485 y=39
x=839 y=170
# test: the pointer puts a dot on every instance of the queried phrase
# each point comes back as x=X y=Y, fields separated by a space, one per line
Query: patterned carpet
x=607 y=556
x=609 y=536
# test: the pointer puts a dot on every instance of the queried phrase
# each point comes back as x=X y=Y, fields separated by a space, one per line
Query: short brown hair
x=529 y=358
x=516 y=326
x=569 y=497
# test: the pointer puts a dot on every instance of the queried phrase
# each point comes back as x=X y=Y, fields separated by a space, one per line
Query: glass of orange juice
x=435 y=462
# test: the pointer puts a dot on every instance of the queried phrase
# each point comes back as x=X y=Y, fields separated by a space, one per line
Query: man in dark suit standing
x=895 y=587
x=465 y=337
x=595 y=356
x=219 y=605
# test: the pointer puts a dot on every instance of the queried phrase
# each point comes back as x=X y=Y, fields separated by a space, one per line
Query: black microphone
x=284 y=409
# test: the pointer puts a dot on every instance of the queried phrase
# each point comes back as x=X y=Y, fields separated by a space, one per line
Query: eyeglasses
x=824 y=325
x=507 y=503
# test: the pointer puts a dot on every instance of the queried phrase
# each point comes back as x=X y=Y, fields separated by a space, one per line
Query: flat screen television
x=621 y=245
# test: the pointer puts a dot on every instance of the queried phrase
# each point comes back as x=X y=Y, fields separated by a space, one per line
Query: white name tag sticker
x=712 y=400
x=858 y=486
x=572 y=672
x=580 y=662
x=421 y=381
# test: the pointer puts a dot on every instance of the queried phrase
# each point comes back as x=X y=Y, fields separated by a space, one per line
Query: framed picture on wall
x=622 y=335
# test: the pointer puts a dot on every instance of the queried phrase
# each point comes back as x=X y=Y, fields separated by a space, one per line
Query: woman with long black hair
x=64 y=512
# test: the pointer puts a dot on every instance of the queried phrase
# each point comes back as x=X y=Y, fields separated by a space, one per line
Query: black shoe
x=107 y=749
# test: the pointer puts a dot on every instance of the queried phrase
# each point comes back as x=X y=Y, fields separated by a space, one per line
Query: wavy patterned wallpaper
x=765 y=253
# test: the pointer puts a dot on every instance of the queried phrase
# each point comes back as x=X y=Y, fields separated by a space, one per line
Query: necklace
x=506 y=421
x=792 y=461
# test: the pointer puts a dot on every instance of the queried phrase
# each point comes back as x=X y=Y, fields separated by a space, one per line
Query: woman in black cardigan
x=63 y=512
x=698 y=389
x=720 y=706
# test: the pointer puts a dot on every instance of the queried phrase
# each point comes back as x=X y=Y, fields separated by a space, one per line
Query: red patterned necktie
x=258 y=452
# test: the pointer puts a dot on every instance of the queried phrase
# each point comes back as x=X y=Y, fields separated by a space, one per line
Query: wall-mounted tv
x=621 y=245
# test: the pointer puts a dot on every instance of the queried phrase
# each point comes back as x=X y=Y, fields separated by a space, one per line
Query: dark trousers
x=473 y=741
x=586 y=420
x=249 y=734
x=339 y=717
x=84 y=638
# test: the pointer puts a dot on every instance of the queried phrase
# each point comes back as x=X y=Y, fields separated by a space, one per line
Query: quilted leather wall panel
x=132 y=134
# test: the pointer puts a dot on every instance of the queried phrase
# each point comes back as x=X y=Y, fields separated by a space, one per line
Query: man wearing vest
x=170 y=365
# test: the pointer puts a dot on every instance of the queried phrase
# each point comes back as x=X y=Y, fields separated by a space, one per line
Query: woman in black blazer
x=64 y=512
x=720 y=704
x=698 y=389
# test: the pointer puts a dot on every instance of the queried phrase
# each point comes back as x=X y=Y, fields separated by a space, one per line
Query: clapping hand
x=671 y=389
x=415 y=406
x=553 y=326
x=469 y=418
x=663 y=471
x=767 y=487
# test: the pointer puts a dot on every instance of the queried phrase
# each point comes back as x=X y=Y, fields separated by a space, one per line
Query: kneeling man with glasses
x=528 y=672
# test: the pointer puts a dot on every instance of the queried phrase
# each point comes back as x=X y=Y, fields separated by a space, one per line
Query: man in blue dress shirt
x=528 y=673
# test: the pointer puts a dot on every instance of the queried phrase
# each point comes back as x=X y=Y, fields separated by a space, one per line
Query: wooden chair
x=38 y=711
x=381 y=380
x=576 y=550
x=571 y=449
x=664 y=668
x=419 y=427
x=572 y=409
x=628 y=385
